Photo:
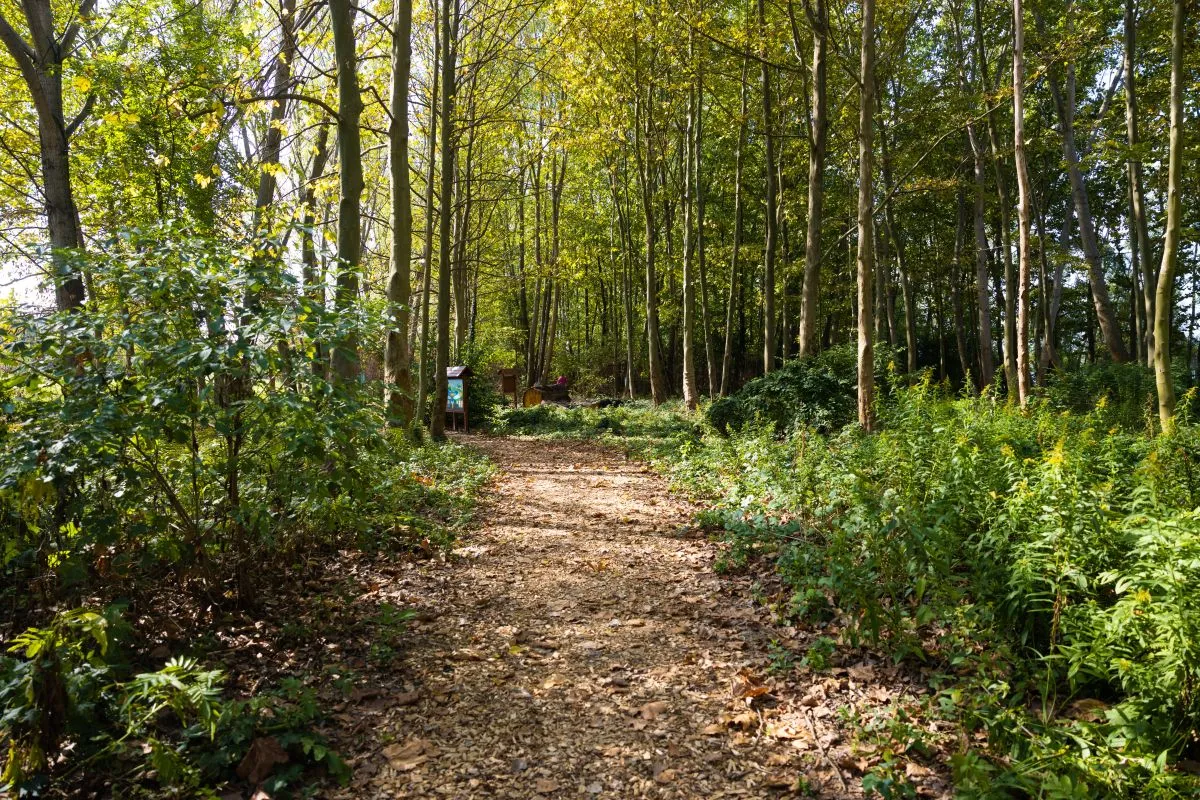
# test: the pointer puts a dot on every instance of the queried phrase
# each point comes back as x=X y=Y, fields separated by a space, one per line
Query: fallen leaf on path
x=260 y=759
x=653 y=710
x=410 y=755
x=545 y=785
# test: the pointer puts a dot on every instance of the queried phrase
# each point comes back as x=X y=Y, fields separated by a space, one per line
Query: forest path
x=578 y=643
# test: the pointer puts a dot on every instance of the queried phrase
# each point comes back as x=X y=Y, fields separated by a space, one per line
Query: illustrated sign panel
x=454 y=395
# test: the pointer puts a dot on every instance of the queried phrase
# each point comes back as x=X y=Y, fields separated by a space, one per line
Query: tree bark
x=866 y=235
x=1138 y=233
x=738 y=213
x=430 y=213
x=397 y=359
x=772 y=223
x=647 y=174
x=349 y=232
x=1024 y=208
x=690 y=391
x=1164 y=302
x=40 y=62
x=437 y=425
x=818 y=139
x=1110 y=330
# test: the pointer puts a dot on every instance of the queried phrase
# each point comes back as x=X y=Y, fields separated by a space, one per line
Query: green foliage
x=1046 y=559
x=636 y=423
x=174 y=720
x=185 y=419
x=1067 y=544
x=818 y=392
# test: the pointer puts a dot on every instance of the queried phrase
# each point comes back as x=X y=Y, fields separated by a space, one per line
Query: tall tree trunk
x=430 y=214
x=772 y=223
x=558 y=174
x=40 y=62
x=1004 y=238
x=437 y=425
x=690 y=391
x=818 y=138
x=738 y=213
x=702 y=261
x=647 y=172
x=349 y=232
x=960 y=333
x=1138 y=234
x=1110 y=330
x=987 y=368
x=866 y=234
x=894 y=234
x=397 y=359
x=312 y=281
x=1165 y=301
x=1024 y=207
x=273 y=139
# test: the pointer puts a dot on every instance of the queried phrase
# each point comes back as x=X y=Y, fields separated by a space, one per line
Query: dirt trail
x=579 y=644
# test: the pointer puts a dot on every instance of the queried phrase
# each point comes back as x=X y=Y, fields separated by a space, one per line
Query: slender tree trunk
x=1138 y=234
x=690 y=391
x=1165 y=301
x=397 y=359
x=987 y=368
x=273 y=139
x=772 y=223
x=698 y=180
x=734 y=273
x=960 y=334
x=647 y=174
x=1024 y=208
x=442 y=362
x=1110 y=330
x=40 y=62
x=349 y=232
x=818 y=138
x=866 y=235
x=430 y=214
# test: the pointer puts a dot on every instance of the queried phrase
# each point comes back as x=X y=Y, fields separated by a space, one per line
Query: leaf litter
x=580 y=643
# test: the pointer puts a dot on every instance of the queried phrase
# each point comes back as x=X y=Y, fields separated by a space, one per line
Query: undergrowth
x=1043 y=563
x=183 y=430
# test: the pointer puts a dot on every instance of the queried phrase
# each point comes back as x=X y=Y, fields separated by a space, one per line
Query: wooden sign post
x=508 y=383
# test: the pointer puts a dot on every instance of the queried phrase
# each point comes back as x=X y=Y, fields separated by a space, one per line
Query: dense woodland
x=911 y=289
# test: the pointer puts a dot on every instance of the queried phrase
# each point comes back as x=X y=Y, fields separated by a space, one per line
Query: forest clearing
x=599 y=398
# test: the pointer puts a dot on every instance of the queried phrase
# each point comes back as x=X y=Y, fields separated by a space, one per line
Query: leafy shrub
x=175 y=721
x=1065 y=543
x=185 y=418
x=819 y=392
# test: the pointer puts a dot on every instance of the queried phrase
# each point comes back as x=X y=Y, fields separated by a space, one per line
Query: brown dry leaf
x=554 y=681
x=545 y=785
x=713 y=729
x=664 y=774
x=410 y=755
x=406 y=699
x=260 y=759
x=854 y=764
x=914 y=770
x=653 y=710
x=746 y=720
x=1087 y=709
x=862 y=672
x=779 y=781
